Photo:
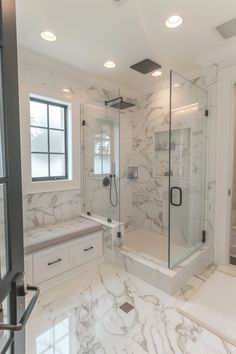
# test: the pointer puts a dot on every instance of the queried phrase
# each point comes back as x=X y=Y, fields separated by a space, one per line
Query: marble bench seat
x=41 y=238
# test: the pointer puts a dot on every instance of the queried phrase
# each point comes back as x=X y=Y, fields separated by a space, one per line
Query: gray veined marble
x=82 y=316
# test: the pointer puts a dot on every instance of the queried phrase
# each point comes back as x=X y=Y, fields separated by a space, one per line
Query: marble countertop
x=43 y=237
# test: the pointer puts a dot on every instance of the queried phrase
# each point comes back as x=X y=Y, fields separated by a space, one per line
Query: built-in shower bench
x=56 y=252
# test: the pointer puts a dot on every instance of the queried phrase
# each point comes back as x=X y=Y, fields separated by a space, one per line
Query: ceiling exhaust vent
x=227 y=29
x=146 y=66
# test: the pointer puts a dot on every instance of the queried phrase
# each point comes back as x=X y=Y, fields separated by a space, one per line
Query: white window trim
x=73 y=182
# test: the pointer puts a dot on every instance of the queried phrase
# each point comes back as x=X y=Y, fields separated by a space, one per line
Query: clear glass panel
x=56 y=117
x=39 y=165
x=101 y=142
x=57 y=141
x=3 y=233
x=38 y=114
x=39 y=140
x=187 y=167
x=2 y=167
x=4 y=318
x=57 y=165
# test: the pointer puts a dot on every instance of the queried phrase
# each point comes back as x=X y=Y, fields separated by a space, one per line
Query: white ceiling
x=90 y=32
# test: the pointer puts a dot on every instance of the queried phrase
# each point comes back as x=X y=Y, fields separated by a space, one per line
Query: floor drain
x=126 y=307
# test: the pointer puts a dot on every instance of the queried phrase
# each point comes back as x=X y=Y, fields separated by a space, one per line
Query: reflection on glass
x=4 y=335
x=3 y=243
x=55 y=339
x=2 y=167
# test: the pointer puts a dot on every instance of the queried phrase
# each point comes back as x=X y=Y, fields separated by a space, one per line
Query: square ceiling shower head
x=146 y=66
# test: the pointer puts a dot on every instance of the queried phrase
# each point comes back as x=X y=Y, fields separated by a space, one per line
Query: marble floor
x=83 y=315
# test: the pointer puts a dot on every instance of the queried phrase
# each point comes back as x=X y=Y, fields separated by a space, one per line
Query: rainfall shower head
x=119 y=103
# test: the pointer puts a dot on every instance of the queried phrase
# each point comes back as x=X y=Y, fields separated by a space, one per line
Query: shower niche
x=180 y=148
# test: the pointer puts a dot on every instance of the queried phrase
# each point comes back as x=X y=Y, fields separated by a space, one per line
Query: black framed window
x=48 y=127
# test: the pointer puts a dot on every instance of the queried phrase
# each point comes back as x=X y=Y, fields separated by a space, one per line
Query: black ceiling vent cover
x=146 y=66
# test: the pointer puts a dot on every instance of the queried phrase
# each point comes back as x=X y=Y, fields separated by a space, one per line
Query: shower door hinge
x=206 y=113
x=204 y=236
x=119 y=234
x=83 y=123
x=88 y=213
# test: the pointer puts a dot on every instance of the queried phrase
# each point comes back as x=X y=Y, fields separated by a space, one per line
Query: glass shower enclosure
x=101 y=157
x=145 y=167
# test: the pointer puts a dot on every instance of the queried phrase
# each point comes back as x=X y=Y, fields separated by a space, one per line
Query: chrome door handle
x=26 y=314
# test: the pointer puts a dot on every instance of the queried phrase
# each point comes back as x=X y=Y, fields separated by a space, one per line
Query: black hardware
x=54 y=262
x=180 y=196
x=109 y=220
x=88 y=249
x=26 y=314
x=206 y=113
x=204 y=236
x=88 y=213
x=229 y=192
x=106 y=181
x=119 y=234
x=83 y=123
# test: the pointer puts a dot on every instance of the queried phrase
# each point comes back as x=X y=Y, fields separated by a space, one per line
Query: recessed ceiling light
x=48 y=36
x=66 y=90
x=174 y=21
x=156 y=73
x=109 y=64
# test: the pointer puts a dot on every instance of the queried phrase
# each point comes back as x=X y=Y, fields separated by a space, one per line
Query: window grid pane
x=51 y=150
x=103 y=150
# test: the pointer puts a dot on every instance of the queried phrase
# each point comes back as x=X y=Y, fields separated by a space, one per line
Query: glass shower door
x=187 y=170
x=100 y=136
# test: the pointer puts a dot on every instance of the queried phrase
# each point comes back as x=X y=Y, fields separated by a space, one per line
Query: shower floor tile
x=82 y=315
x=152 y=244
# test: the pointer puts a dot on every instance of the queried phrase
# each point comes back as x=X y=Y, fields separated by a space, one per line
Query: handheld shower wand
x=114 y=204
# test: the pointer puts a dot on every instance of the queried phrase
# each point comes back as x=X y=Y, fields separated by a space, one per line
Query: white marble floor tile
x=82 y=316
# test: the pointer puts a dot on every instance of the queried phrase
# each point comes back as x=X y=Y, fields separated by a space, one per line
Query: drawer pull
x=54 y=262
x=88 y=249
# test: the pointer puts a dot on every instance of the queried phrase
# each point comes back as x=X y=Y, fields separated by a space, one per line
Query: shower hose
x=114 y=204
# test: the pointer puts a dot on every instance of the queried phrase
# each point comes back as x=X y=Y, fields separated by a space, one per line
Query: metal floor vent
x=227 y=29
x=126 y=307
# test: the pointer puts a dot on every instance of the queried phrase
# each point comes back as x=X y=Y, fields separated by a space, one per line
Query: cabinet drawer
x=88 y=247
x=52 y=262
